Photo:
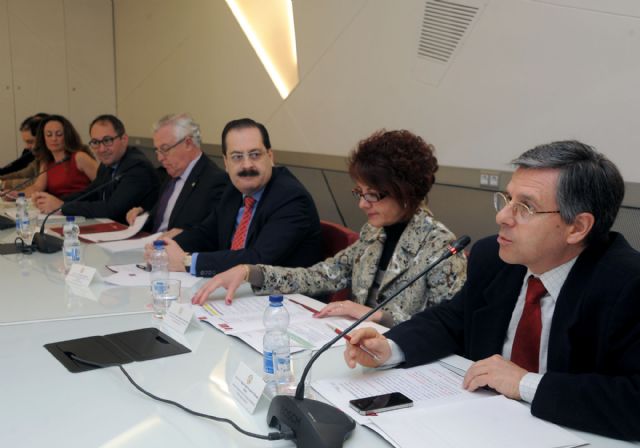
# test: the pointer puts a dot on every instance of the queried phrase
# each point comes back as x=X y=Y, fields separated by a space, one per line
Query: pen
x=360 y=346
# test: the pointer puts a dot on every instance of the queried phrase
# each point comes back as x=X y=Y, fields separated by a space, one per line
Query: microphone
x=319 y=425
x=49 y=244
x=32 y=178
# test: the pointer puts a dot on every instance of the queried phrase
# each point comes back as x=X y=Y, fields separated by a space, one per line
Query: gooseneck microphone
x=48 y=243
x=32 y=178
x=319 y=425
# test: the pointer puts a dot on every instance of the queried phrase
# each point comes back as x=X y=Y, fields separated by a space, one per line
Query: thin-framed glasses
x=164 y=150
x=522 y=212
x=107 y=141
x=369 y=197
x=253 y=156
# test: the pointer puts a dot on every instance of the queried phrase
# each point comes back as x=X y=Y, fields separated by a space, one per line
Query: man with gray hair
x=550 y=310
x=194 y=183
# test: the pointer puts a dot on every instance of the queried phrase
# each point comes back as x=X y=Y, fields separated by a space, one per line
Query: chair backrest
x=335 y=238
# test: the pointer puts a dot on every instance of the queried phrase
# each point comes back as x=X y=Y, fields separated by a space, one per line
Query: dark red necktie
x=241 y=231
x=526 y=344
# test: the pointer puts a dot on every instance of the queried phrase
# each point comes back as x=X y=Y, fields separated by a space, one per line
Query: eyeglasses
x=369 y=197
x=164 y=150
x=107 y=141
x=253 y=156
x=522 y=212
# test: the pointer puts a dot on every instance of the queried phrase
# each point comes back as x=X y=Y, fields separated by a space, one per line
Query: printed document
x=129 y=232
x=243 y=319
x=444 y=414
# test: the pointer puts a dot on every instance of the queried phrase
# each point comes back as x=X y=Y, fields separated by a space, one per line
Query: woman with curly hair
x=70 y=166
x=393 y=171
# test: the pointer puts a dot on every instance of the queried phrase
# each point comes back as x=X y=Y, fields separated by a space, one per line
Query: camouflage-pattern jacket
x=423 y=241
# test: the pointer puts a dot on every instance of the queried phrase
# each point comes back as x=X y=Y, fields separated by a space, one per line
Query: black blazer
x=284 y=231
x=199 y=196
x=138 y=185
x=593 y=366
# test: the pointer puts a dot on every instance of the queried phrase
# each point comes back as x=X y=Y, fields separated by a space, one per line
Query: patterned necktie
x=163 y=202
x=240 y=236
x=526 y=344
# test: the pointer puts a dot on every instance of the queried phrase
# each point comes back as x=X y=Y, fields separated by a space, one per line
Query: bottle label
x=268 y=362
x=72 y=254
x=159 y=287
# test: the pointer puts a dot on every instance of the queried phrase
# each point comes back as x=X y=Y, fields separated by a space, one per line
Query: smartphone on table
x=380 y=403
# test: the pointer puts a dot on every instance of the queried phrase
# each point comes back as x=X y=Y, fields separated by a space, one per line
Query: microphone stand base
x=47 y=244
x=314 y=423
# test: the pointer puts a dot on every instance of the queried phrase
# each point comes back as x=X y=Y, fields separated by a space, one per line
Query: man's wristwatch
x=186 y=261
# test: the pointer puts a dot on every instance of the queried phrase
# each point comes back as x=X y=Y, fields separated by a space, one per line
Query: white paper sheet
x=125 y=245
x=428 y=386
x=494 y=422
x=243 y=319
x=130 y=231
x=131 y=275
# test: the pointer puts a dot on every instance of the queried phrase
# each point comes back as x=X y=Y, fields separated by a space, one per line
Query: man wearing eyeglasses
x=550 y=310
x=194 y=182
x=265 y=215
x=125 y=172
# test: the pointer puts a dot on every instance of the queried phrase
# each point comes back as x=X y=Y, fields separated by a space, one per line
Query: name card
x=178 y=317
x=247 y=387
x=80 y=275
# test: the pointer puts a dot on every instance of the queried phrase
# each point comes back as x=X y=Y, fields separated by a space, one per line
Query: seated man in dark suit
x=551 y=307
x=126 y=173
x=25 y=166
x=264 y=216
x=194 y=183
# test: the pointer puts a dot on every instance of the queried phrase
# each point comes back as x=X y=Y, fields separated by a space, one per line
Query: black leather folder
x=116 y=348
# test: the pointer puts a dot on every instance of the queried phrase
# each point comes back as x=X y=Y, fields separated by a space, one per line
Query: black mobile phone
x=381 y=403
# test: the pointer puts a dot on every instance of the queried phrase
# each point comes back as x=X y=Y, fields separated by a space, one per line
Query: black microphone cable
x=270 y=436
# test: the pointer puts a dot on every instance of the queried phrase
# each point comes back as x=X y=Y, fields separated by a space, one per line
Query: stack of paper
x=444 y=414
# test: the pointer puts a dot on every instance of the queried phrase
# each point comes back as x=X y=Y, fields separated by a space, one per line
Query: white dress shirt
x=177 y=189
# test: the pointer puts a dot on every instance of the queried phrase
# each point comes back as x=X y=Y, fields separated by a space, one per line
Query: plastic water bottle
x=21 y=212
x=276 y=348
x=71 y=249
x=159 y=277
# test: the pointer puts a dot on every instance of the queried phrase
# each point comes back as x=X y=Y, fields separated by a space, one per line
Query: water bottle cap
x=21 y=194
x=275 y=300
x=71 y=218
x=158 y=244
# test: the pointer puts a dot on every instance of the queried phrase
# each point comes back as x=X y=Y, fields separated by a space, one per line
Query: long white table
x=42 y=404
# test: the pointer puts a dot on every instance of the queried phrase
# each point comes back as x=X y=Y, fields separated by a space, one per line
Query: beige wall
x=56 y=56
x=528 y=72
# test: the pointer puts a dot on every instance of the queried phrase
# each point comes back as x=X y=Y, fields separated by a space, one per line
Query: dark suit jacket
x=199 y=196
x=20 y=163
x=284 y=231
x=593 y=366
x=138 y=186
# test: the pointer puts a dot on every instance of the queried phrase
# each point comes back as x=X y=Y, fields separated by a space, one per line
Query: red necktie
x=526 y=344
x=241 y=231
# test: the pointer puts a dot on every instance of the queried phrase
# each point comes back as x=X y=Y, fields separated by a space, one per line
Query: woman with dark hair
x=70 y=166
x=393 y=172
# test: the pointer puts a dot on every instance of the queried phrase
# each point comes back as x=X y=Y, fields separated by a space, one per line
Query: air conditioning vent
x=441 y=33
x=444 y=24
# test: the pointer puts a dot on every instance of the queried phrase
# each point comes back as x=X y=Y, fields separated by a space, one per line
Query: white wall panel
x=527 y=73
x=8 y=133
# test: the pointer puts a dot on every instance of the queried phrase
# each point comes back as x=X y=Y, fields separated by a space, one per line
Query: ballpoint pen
x=360 y=346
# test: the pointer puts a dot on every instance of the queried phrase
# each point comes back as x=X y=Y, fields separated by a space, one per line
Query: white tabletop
x=42 y=404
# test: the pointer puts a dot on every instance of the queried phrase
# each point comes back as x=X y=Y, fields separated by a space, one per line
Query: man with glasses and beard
x=131 y=177
x=265 y=215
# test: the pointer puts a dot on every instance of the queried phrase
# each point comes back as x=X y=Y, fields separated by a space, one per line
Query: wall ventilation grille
x=443 y=26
